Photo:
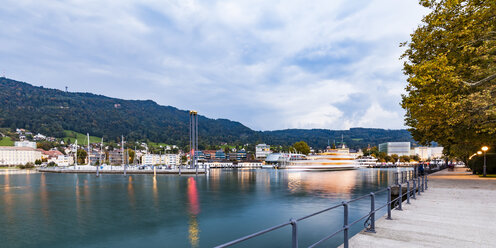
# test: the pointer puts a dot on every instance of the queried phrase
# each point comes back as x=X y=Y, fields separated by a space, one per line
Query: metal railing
x=419 y=185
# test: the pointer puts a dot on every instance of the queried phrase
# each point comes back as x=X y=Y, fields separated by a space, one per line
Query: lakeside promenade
x=458 y=210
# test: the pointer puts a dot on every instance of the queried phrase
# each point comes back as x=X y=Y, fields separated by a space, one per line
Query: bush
x=476 y=164
x=26 y=166
x=51 y=164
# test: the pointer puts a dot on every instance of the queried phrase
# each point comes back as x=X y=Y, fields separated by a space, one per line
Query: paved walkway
x=458 y=210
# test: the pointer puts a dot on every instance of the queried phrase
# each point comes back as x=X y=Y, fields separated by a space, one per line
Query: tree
x=81 y=156
x=302 y=147
x=450 y=64
x=131 y=154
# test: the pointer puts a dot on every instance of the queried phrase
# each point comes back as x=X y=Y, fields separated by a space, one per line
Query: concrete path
x=458 y=210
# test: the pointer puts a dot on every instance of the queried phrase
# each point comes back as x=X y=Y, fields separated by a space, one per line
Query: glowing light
x=485 y=148
x=194 y=206
x=194 y=209
x=479 y=152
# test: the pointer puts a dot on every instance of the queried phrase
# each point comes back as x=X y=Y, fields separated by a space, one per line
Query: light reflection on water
x=167 y=210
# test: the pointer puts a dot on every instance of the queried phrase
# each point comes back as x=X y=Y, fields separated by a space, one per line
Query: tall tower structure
x=193 y=139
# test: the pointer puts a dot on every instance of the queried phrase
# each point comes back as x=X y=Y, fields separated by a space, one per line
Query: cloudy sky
x=268 y=64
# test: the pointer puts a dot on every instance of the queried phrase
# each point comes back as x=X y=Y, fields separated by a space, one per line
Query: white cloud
x=267 y=64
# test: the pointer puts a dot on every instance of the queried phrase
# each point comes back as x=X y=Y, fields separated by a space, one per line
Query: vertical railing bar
x=400 y=197
x=414 y=189
x=294 y=231
x=423 y=180
x=389 y=203
x=372 y=212
x=418 y=182
x=407 y=192
x=345 y=224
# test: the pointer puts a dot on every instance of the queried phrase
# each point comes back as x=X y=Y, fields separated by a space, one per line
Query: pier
x=120 y=170
x=458 y=211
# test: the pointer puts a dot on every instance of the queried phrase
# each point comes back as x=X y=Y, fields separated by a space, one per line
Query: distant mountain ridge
x=51 y=111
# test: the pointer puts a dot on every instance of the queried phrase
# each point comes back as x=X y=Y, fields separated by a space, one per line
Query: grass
x=6 y=141
x=154 y=144
x=81 y=138
x=489 y=176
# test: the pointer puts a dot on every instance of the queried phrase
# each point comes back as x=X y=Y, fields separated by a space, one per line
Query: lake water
x=79 y=210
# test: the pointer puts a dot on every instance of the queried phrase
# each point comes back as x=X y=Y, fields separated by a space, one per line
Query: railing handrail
x=370 y=216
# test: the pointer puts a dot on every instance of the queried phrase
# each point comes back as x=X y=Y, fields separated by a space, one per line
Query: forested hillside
x=51 y=111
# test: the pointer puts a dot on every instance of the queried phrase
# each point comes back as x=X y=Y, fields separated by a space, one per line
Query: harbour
x=186 y=211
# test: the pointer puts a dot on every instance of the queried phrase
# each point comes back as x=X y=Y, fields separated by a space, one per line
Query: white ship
x=331 y=159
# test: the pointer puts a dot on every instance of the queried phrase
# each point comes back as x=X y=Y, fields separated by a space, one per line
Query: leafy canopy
x=450 y=64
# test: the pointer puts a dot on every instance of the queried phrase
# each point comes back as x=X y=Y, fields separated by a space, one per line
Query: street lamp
x=484 y=148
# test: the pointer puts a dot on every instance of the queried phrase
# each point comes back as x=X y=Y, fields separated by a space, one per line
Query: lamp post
x=484 y=148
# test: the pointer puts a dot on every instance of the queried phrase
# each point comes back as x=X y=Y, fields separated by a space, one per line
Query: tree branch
x=489 y=78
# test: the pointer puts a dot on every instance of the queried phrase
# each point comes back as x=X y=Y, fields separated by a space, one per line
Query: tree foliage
x=302 y=147
x=450 y=64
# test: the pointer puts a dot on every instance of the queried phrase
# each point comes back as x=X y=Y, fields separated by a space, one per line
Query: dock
x=458 y=210
x=130 y=171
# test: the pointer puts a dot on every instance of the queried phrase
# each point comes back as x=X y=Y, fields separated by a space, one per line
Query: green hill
x=52 y=112
x=6 y=141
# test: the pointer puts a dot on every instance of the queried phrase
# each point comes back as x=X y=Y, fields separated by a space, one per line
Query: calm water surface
x=78 y=210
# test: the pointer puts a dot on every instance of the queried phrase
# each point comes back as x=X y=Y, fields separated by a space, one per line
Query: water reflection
x=130 y=191
x=323 y=183
x=44 y=195
x=7 y=197
x=194 y=210
x=155 y=191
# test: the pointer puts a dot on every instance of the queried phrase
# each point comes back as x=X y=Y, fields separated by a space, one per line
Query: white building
x=165 y=159
x=428 y=153
x=262 y=151
x=11 y=155
x=25 y=143
x=398 y=148
x=39 y=137
x=62 y=160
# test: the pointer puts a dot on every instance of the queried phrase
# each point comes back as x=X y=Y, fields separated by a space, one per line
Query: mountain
x=354 y=138
x=51 y=111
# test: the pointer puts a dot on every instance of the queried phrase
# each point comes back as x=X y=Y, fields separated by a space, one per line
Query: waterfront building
x=172 y=159
x=241 y=155
x=220 y=155
x=25 y=143
x=428 y=153
x=115 y=157
x=165 y=159
x=11 y=155
x=398 y=148
x=62 y=160
x=50 y=154
x=262 y=151
x=209 y=154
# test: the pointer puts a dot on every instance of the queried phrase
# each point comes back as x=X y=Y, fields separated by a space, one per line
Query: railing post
x=418 y=182
x=423 y=180
x=407 y=192
x=400 y=197
x=372 y=213
x=396 y=179
x=414 y=188
x=294 y=228
x=389 y=204
x=345 y=224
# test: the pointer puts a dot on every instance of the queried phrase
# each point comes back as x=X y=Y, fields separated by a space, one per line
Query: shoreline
x=120 y=171
x=17 y=171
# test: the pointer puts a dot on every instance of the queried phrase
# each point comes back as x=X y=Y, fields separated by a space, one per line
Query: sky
x=267 y=64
